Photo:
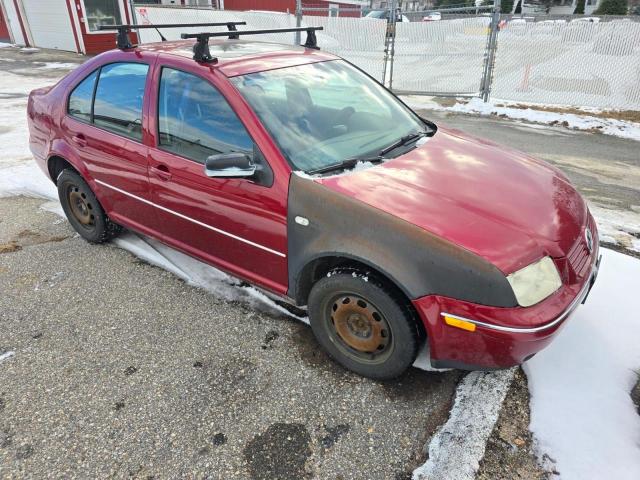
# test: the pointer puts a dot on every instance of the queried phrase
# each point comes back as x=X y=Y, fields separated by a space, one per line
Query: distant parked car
x=552 y=22
x=432 y=17
x=585 y=19
x=384 y=15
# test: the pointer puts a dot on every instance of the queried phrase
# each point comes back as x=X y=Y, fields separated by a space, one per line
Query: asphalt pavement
x=120 y=369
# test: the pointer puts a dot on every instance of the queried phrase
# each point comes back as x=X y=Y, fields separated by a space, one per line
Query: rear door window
x=119 y=98
x=81 y=98
x=194 y=119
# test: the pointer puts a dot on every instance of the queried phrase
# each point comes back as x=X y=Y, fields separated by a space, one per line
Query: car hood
x=500 y=204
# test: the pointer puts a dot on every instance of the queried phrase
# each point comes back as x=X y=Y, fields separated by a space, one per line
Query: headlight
x=535 y=282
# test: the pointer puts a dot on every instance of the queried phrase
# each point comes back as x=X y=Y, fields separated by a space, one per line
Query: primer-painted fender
x=418 y=262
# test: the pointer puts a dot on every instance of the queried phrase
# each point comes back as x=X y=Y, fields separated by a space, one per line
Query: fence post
x=487 y=74
x=134 y=19
x=298 y=20
x=392 y=39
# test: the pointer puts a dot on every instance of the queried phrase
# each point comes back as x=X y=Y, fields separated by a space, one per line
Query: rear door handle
x=162 y=172
x=79 y=140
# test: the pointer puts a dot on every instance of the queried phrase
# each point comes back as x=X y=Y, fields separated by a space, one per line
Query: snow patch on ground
x=58 y=66
x=198 y=273
x=608 y=126
x=25 y=179
x=582 y=415
x=6 y=355
x=14 y=91
x=456 y=449
x=621 y=228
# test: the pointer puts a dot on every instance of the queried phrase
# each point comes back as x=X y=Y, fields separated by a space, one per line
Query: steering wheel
x=344 y=115
x=341 y=121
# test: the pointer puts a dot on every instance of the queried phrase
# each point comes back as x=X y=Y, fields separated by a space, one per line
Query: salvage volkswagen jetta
x=293 y=170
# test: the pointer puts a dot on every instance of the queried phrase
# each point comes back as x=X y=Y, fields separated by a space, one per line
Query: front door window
x=102 y=12
x=195 y=121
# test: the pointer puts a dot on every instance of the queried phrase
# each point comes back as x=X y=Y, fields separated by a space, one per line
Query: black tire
x=84 y=212
x=348 y=331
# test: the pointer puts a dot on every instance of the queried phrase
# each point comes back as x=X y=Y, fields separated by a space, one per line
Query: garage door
x=50 y=24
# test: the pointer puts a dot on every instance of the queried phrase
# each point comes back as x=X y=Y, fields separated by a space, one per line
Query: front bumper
x=503 y=337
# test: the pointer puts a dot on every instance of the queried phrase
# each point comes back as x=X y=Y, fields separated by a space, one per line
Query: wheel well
x=318 y=268
x=57 y=165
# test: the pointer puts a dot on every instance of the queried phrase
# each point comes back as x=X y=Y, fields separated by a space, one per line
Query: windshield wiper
x=402 y=141
x=344 y=164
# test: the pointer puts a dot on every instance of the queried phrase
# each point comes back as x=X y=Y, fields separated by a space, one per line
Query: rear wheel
x=83 y=210
x=363 y=324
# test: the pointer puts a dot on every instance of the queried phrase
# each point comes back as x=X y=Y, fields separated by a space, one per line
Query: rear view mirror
x=233 y=165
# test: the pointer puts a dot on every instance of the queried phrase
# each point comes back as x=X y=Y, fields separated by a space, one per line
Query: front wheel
x=83 y=210
x=362 y=324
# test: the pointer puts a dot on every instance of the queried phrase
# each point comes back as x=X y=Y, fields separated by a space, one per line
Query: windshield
x=325 y=113
x=378 y=14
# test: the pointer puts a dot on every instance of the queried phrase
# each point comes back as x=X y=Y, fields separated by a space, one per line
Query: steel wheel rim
x=359 y=329
x=81 y=207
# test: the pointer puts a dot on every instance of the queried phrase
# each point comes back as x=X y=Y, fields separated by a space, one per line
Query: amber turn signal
x=458 y=323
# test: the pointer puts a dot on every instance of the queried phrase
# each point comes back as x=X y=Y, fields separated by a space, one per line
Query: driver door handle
x=162 y=172
x=79 y=139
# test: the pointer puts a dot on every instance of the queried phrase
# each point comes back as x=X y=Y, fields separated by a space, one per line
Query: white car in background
x=586 y=19
x=432 y=17
x=384 y=15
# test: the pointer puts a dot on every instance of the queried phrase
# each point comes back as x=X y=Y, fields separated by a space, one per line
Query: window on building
x=80 y=99
x=194 y=119
x=102 y=12
x=119 y=97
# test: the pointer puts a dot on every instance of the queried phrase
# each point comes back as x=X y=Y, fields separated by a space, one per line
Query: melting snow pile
x=582 y=414
x=608 y=126
x=618 y=227
x=456 y=449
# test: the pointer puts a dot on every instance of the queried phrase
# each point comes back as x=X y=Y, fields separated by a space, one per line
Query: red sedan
x=292 y=169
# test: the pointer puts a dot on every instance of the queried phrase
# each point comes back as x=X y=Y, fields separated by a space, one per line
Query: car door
x=238 y=224
x=104 y=127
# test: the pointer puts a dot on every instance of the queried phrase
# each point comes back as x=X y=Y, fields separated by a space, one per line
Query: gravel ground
x=121 y=369
x=509 y=454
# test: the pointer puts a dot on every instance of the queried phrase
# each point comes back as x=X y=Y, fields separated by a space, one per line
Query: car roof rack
x=124 y=43
x=201 y=48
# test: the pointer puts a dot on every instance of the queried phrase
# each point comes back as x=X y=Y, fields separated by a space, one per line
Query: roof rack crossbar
x=124 y=43
x=203 y=38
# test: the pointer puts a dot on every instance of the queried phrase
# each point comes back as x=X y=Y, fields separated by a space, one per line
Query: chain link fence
x=581 y=63
x=440 y=58
x=360 y=40
x=158 y=14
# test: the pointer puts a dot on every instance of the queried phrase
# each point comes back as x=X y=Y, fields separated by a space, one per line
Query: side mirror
x=232 y=165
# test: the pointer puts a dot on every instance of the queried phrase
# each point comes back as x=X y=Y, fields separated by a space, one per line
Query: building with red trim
x=72 y=25
x=63 y=24
x=342 y=8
